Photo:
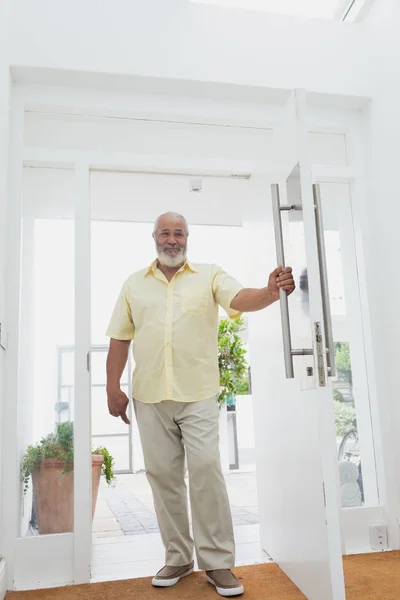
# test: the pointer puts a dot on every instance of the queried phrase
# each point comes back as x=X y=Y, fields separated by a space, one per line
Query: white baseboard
x=3 y=579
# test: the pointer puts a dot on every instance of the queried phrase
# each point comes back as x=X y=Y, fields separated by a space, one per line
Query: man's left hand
x=281 y=279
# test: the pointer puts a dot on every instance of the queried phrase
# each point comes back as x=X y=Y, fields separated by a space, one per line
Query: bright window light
x=316 y=9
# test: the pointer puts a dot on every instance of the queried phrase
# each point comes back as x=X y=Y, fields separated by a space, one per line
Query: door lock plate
x=319 y=346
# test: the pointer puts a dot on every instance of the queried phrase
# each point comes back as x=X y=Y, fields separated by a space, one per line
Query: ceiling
x=316 y=9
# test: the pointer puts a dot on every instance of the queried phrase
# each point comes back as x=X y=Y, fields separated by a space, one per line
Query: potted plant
x=233 y=367
x=50 y=463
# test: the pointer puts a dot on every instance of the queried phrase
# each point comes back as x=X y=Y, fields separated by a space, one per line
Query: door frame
x=78 y=546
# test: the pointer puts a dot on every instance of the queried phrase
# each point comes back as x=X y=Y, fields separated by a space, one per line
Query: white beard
x=171 y=261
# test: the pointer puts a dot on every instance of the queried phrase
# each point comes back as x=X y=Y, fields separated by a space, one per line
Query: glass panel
x=48 y=322
x=350 y=386
x=328 y=148
x=67 y=370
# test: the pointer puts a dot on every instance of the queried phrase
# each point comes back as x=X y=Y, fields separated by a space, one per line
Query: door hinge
x=88 y=361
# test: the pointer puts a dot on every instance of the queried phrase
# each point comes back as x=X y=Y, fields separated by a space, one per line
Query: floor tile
x=131 y=570
x=249 y=554
x=107 y=524
x=134 y=548
x=107 y=534
x=126 y=553
x=247 y=533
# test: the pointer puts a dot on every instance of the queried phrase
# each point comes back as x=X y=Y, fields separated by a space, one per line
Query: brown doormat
x=372 y=576
x=368 y=577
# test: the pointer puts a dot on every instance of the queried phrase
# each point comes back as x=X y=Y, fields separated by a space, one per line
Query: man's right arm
x=116 y=361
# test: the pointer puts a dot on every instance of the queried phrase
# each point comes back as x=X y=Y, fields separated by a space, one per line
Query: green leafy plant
x=338 y=396
x=343 y=362
x=243 y=387
x=60 y=446
x=345 y=417
x=108 y=464
x=231 y=359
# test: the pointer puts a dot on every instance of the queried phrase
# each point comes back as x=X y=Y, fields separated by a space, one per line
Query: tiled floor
x=127 y=508
x=126 y=541
x=143 y=555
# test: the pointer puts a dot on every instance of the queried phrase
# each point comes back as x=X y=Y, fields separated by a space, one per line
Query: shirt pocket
x=194 y=300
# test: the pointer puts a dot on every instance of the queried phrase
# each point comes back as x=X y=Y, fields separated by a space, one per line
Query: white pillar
x=11 y=484
x=82 y=404
x=5 y=89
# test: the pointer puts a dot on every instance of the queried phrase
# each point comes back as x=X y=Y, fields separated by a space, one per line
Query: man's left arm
x=253 y=299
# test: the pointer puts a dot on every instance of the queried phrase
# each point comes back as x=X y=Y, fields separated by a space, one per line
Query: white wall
x=3 y=579
x=5 y=87
x=143 y=137
x=383 y=240
x=180 y=40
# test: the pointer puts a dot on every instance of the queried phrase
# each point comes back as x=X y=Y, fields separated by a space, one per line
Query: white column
x=82 y=404
x=26 y=409
x=11 y=485
x=5 y=89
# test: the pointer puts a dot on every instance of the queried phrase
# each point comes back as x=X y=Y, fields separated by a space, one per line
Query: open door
x=294 y=419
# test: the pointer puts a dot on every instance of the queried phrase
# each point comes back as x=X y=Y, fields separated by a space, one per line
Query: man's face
x=171 y=241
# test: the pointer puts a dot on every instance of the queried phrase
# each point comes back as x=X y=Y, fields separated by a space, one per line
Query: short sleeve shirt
x=174 y=328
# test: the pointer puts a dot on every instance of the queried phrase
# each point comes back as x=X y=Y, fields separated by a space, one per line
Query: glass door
x=355 y=446
x=349 y=381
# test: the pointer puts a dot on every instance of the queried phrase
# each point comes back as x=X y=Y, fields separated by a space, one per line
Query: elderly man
x=170 y=310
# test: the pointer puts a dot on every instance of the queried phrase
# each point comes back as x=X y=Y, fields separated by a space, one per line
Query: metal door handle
x=323 y=272
x=288 y=352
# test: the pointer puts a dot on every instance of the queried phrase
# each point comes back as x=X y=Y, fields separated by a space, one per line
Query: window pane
x=49 y=323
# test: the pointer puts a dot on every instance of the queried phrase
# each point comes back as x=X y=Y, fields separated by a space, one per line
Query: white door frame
x=78 y=546
x=82 y=404
x=11 y=488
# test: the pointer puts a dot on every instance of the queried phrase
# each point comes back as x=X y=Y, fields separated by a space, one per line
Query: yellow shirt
x=175 y=330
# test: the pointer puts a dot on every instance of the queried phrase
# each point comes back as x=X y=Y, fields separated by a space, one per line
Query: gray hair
x=171 y=214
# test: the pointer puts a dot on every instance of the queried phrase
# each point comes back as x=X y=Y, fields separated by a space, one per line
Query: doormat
x=368 y=577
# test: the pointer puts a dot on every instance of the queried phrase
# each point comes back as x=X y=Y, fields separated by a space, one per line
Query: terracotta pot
x=53 y=493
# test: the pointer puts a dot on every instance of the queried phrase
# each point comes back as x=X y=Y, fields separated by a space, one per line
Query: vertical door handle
x=288 y=351
x=280 y=255
x=323 y=272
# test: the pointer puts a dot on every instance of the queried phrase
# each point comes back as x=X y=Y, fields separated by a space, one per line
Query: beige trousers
x=166 y=430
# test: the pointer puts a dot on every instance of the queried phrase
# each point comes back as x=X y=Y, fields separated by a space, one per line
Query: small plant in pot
x=50 y=463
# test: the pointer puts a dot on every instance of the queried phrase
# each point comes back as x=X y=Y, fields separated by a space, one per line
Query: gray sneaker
x=225 y=582
x=169 y=576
